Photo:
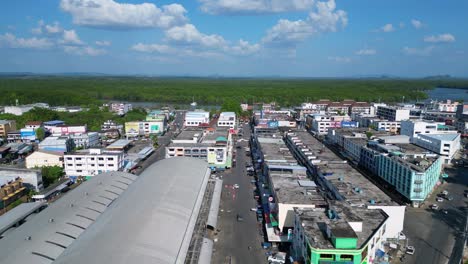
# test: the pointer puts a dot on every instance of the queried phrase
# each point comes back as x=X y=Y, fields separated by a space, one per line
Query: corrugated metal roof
x=50 y=232
x=152 y=222
x=18 y=213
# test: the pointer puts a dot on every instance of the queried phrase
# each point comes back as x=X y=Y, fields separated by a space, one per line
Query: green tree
x=51 y=174
x=155 y=140
x=40 y=133
x=369 y=134
x=231 y=105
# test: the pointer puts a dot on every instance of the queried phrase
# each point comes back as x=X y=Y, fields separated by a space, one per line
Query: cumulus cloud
x=340 y=59
x=43 y=28
x=366 y=52
x=440 y=38
x=110 y=14
x=81 y=51
x=11 y=41
x=324 y=18
x=254 y=6
x=103 y=43
x=244 y=48
x=427 y=51
x=188 y=34
x=387 y=28
x=416 y=23
x=71 y=38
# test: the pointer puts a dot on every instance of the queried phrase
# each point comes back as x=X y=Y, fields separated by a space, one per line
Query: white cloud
x=440 y=38
x=103 y=43
x=84 y=51
x=366 y=52
x=254 y=6
x=416 y=23
x=387 y=28
x=427 y=51
x=153 y=48
x=188 y=34
x=402 y=25
x=244 y=48
x=51 y=29
x=110 y=14
x=324 y=18
x=340 y=59
x=11 y=41
x=71 y=38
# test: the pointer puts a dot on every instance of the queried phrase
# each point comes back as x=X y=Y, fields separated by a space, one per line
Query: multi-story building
x=362 y=108
x=31 y=178
x=413 y=128
x=11 y=189
x=227 y=119
x=157 y=115
x=447 y=106
x=273 y=119
x=64 y=130
x=144 y=128
x=7 y=126
x=215 y=146
x=446 y=145
x=33 y=125
x=338 y=234
x=86 y=140
x=110 y=124
x=42 y=158
x=393 y=113
x=57 y=144
x=120 y=108
x=413 y=175
x=338 y=108
x=48 y=125
x=92 y=162
x=321 y=123
x=196 y=118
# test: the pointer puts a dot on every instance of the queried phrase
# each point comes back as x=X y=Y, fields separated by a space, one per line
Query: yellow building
x=7 y=126
x=10 y=191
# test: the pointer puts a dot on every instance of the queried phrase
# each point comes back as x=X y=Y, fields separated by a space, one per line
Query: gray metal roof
x=152 y=222
x=17 y=214
x=46 y=236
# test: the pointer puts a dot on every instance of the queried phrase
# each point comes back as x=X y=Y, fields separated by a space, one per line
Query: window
x=101 y=165
x=71 y=165
x=69 y=158
x=111 y=165
x=78 y=158
x=347 y=257
x=100 y=158
x=79 y=171
x=92 y=165
x=110 y=158
x=326 y=257
x=79 y=165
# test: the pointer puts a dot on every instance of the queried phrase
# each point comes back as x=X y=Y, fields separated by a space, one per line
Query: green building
x=413 y=177
x=338 y=235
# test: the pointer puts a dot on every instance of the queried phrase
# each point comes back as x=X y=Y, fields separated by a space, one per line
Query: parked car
x=434 y=207
x=450 y=198
x=236 y=186
x=444 y=211
x=401 y=236
x=445 y=192
x=439 y=199
x=410 y=250
x=277 y=258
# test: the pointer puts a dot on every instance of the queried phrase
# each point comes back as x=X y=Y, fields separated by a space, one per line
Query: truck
x=277 y=258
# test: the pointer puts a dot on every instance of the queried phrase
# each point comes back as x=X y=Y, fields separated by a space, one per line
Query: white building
x=57 y=144
x=67 y=130
x=393 y=113
x=92 y=162
x=43 y=158
x=145 y=128
x=32 y=179
x=445 y=145
x=387 y=126
x=86 y=140
x=448 y=106
x=194 y=119
x=120 y=108
x=321 y=123
x=227 y=119
x=21 y=109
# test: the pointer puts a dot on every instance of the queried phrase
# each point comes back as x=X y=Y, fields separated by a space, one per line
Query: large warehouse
x=117 y=218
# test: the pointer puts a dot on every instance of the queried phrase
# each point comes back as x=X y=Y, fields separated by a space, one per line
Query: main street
x=238 y=241
x=437 y=237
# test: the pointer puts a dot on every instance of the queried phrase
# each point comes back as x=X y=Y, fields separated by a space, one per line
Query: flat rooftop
x=275 y=150
x=189 y=134
x=348 y=181
x=315 y=222
x=120 y=144
x=445 y=137
x=293 y=187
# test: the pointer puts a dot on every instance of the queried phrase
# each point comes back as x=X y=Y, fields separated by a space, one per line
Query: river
x=440 y=94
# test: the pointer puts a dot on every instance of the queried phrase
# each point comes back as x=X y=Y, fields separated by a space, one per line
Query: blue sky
x=308 y=38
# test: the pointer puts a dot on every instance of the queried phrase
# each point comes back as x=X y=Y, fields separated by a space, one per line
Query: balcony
x=418 y=182
x=417 y=190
